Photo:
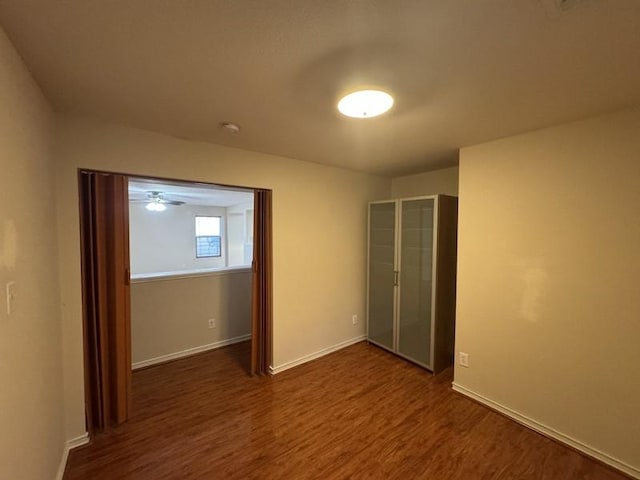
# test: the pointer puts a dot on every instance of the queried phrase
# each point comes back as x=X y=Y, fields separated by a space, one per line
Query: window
x=208 y=243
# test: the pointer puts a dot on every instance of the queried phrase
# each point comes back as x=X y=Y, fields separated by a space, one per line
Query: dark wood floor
x=360 y=413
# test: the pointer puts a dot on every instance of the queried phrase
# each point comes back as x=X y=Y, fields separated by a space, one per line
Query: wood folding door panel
x=262 y=297
x=104 y=226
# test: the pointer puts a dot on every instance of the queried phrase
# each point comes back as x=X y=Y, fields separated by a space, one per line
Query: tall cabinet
x=412 y=278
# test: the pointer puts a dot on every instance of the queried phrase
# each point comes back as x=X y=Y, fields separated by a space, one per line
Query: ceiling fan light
x=156 y=207
x=365 y=103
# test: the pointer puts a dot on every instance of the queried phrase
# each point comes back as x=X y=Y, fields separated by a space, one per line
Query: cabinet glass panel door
x=382 y=221
x=416 y=254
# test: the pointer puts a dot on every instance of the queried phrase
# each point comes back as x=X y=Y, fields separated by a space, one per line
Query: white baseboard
x=550 y=432
x=189 y=351
x=313 y=356
x=73 y=443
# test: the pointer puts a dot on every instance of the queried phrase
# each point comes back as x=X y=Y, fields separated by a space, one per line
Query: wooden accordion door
x=104 y=226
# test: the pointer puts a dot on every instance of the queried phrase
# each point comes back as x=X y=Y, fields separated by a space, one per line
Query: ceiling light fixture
x=156 y=207
x=365 y=103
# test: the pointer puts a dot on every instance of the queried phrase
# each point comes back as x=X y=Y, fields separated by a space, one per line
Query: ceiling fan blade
x=154 y=197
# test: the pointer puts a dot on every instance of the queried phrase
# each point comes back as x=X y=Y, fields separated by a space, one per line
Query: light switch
x=11 y=296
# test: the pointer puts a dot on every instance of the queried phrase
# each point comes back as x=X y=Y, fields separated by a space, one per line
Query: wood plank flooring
x=359 y=413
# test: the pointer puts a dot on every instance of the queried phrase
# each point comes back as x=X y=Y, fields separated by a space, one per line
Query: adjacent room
x=310 y=240
x=190 y=255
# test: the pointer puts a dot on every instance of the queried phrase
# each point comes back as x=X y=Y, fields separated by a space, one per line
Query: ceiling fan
x=156 y=201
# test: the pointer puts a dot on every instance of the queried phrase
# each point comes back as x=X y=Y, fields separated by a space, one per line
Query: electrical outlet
x=212 y=323
x=354 y=319
x=463 y=359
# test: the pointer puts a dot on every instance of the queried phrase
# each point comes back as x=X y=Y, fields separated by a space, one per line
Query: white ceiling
x=462 y=71
x=189 y=193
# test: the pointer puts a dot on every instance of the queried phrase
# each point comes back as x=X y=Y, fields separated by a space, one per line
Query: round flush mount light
x=365 y=103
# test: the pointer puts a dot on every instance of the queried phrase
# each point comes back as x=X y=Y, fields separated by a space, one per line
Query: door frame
x=266 y=339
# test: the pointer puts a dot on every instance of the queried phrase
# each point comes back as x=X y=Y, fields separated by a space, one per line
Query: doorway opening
x=191 y=249
x=177 y=281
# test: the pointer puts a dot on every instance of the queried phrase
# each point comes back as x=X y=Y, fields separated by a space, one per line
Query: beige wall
x=165 y=241
x=443 y=181
x=319 y=220
x=170 y=315
x=31 y=410
x=240 y=234
x=549 y=265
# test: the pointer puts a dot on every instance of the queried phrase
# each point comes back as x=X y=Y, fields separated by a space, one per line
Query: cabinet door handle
x=395 y=278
